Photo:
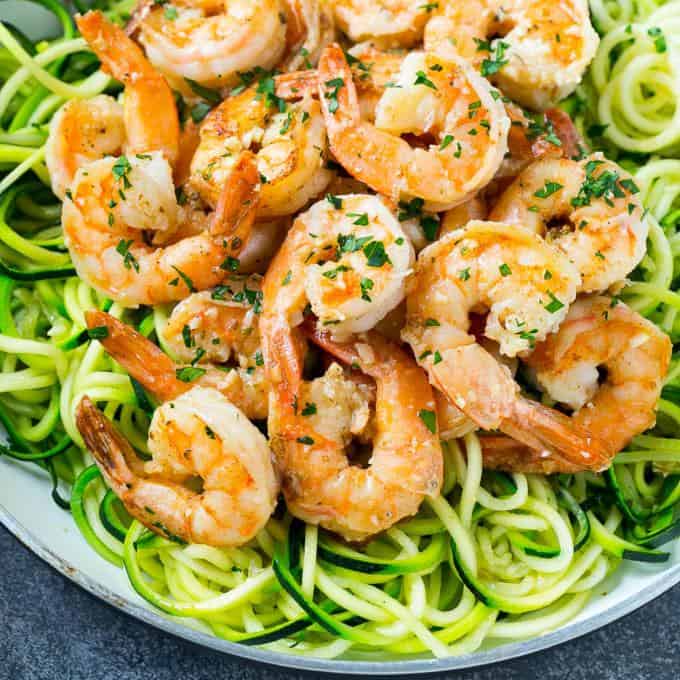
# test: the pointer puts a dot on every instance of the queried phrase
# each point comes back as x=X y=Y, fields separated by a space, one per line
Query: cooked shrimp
x=504 y=453
x=348 y=257
x=373 y=71
x=541 y=135
x=198 y=434
x=149 y=112
x=526 y=285
x=393 y=23
x=290 y=149
x=217 y=324
x=112 y=201
x=437 y=96
x=598 y=212
x=598 y=333
x=245 y=385
x=601 y=332
x=83 y=130
x=458 y=217
x=309 y=28
x=319 y=483
x=543 y=51
x=211 y=41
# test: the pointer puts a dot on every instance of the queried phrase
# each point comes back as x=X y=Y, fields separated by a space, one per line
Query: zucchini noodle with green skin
x=494 y=558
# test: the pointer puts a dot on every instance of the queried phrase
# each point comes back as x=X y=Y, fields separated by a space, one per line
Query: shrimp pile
x=368 y=248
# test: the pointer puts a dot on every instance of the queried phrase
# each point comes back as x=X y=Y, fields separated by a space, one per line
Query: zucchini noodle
x=494 y=558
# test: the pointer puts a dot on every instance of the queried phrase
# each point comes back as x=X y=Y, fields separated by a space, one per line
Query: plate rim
x=503 y=652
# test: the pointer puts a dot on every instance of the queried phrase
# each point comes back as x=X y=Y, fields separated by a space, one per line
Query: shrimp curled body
x=438 y=96
x=319 y=483
x=211 y=41
x=526 y=286
x=199 y=434
x=593 y=210
x=544 y=50
x=599 y=332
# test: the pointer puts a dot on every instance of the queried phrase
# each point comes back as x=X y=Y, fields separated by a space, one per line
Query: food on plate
x=347 y=328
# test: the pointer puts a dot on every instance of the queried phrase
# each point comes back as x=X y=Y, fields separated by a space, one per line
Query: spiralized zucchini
x=496 y=557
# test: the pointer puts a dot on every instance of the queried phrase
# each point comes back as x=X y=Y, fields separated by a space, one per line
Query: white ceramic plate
x=27 y=510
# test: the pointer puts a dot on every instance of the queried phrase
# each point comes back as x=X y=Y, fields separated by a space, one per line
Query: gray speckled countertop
x=52 y=630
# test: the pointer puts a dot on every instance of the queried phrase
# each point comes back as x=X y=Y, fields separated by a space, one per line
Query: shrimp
x=541 y=135
x=149 y=112
x=111 y=202
x=599 y=333
x=319 y=483
x=393 y=23
x=543 y=51
x=83 y=130
x=245 y=385
x=289 y=149
x=456 y=218
x=211 y=41
x=598 y=212
x=527 y=286
x=309 y=28
x=373 y=71
x=217 y=324
x=198 y=434
x=348 y=258
x=437 y=96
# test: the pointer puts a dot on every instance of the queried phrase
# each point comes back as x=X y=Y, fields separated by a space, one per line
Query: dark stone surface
x=50 y=629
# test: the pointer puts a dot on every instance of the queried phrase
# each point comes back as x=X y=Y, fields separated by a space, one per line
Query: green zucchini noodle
x=496 y=557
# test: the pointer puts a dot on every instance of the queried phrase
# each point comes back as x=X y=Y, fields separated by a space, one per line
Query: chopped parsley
x=206 y=93
x=422 y=79
x=187 y=337
x=430 y=226
x=189 y=373
x=429 y=418
x=445 y=142
x=121 y=169
x=129 y=260
x=361 y=219
x=334 y=85
x=549 y=189
x=335 y=201
x=349 y=243
x=332 y=274
x=496 y=61
x=231 y=264
x=554 y=305
x=187 y=281
x=375 y=254
x=366 y=284
x=309 y=409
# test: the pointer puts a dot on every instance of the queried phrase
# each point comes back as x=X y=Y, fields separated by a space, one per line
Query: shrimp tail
x=297 y=85
x=494 y=403
x=237 y=205
x=151 y=117
x=549 y=431
x=115 y=459
x=504 y=453
x=143 y=360
x=110 y=449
